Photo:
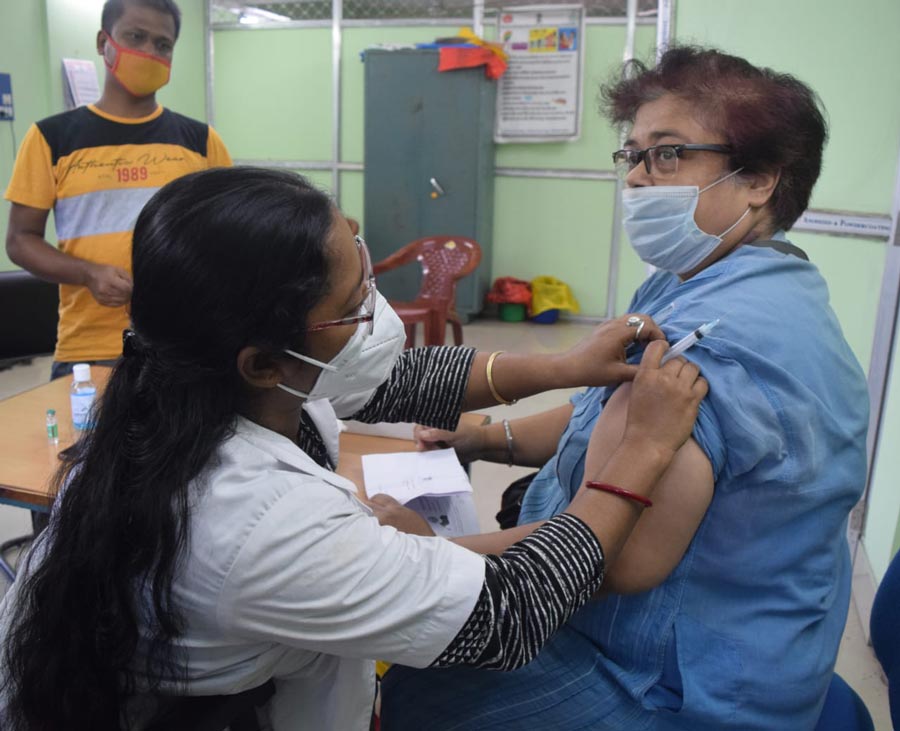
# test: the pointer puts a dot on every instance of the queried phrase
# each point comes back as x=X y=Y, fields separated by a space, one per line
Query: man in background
x=96 y=167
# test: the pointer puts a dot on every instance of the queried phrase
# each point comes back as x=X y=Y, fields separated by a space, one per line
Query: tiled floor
x=856 y=663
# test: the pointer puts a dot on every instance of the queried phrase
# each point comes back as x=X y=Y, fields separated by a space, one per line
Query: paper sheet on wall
x=409 y=475
x=539 y=98
x=80 y=85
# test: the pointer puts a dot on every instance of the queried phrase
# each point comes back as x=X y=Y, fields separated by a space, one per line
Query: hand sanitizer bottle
x=83 y=392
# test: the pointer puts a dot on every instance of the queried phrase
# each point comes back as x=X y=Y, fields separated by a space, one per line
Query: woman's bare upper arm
x=665 y=530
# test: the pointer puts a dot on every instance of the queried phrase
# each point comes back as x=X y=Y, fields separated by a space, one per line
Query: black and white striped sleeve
x=529 y=592
x=427 y=386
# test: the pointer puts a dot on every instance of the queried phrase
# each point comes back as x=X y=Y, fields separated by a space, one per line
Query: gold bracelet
x=489 y=372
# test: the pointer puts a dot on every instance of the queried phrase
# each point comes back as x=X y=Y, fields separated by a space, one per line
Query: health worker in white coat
x=201 y=543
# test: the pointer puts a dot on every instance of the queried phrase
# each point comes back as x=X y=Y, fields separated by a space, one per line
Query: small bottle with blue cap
x=82 y=396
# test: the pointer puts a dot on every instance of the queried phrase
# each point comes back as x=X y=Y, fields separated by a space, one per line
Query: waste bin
x=513 y=297
x=549 y=295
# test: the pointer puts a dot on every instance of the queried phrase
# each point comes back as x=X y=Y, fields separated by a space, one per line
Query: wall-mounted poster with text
x=539 y=97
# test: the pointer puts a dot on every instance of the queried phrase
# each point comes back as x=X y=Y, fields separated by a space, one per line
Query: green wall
x=562 y=227
x=848 y=53
x=273 y=93
x=72 y=27
x=273 y=101
x=35 y=35
x=23 y=55
x=882 y=529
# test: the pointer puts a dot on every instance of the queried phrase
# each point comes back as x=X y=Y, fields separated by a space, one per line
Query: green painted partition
x=273 y=101
x=881 y=536
x=71 y=33
x=34 y=38
x=602 y=60
x=848 y=53
x=23 y=55
x=273 y=93
x=853 y=269
x=319 y=178
x=352 y=196
x=555 y=227
x=72 y=27
x=541 y=226
x=563 y=227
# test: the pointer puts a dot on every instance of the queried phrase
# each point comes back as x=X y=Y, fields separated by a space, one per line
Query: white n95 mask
x=659 y=221
x=351 y=378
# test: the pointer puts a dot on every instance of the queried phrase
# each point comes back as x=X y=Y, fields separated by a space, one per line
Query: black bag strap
x=785 y=247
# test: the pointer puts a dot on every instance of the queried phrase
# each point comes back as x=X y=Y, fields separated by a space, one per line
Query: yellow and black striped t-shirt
x=96 y=172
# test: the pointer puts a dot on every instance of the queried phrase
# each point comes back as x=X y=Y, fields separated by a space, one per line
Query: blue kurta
x=744 y=632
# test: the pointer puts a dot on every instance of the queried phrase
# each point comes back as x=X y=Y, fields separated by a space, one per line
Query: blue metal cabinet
x=429 y=167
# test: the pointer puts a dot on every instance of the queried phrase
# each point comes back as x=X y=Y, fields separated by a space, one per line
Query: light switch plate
x=6 y=99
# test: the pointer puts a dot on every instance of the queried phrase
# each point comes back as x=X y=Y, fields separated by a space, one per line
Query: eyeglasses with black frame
x=661 y=158
x=367 y=308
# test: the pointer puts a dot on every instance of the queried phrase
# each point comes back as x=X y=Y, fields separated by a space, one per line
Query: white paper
x=80 y=85
x=449 y=516
x=409 y=475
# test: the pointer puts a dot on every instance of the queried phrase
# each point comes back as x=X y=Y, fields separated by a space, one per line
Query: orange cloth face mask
x=141 y=74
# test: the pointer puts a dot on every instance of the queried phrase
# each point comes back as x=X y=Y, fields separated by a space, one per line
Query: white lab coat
x=288 y=576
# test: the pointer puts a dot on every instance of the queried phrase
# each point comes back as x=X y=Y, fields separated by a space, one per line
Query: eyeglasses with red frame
x=367 y=309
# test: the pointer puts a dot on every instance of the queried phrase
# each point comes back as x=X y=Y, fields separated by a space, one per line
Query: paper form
x=405 y=476
x=449 y=516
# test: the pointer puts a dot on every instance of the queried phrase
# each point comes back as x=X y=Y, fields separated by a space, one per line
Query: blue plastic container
x=547 y=317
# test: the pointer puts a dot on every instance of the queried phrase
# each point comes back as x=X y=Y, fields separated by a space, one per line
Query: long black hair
x=222 y=259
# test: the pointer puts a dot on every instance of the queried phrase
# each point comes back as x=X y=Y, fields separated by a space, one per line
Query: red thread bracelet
x=645 y=501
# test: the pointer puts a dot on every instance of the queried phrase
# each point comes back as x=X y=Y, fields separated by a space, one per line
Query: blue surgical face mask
x=659 y=221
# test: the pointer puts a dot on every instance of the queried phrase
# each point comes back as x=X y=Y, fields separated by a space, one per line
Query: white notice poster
x=539 y=97
x=80 y=85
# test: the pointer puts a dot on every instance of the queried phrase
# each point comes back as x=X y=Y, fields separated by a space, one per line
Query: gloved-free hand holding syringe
x=688 y=341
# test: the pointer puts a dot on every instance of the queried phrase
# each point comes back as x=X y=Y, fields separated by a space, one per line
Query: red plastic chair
x=444 y=260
